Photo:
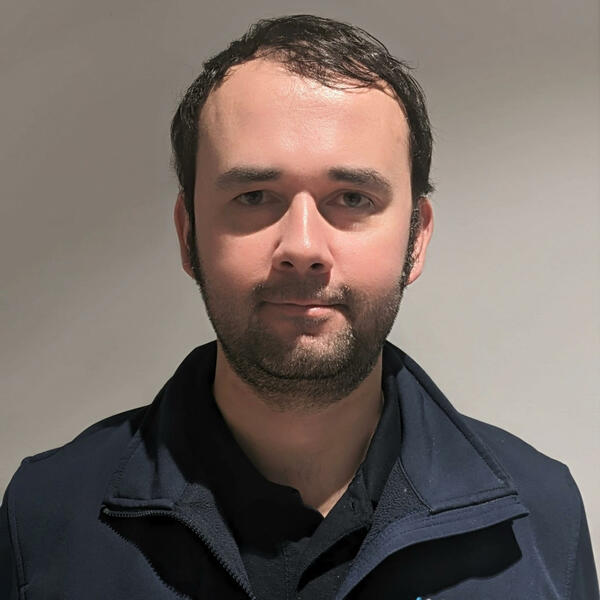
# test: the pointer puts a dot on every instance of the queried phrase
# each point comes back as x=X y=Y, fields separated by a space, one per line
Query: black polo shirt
x=290 y=550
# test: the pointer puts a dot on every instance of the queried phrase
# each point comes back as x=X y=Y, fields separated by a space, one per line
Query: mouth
x=310 y=302
x=304 y=308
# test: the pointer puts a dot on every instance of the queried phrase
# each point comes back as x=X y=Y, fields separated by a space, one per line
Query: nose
x=303 y=244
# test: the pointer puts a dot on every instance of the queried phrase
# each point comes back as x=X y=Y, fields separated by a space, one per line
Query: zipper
x=213 y=550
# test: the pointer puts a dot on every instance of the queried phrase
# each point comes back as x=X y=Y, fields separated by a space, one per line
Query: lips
x=304 y=302
x=303 y=308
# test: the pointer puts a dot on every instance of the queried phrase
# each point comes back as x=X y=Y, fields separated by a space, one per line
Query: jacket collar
x=446 y=464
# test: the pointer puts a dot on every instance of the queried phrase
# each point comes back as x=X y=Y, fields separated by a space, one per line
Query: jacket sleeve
x=584 y=581
x=9 y=588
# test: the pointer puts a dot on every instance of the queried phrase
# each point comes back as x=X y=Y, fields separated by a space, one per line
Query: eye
x=355 y=200
x=254 y=198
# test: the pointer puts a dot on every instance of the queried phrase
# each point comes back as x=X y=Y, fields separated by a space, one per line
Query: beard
x=308 y=372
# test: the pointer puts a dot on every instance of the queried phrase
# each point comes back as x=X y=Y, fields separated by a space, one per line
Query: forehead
x=263 y=112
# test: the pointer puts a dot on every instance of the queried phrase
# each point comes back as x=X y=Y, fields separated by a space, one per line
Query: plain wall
x=97 y=313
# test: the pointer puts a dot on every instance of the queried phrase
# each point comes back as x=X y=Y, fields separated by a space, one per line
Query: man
x=299 y=455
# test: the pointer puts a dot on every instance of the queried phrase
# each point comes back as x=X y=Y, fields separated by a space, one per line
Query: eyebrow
x=242 y=175
x=365 y=177
x=358 y=176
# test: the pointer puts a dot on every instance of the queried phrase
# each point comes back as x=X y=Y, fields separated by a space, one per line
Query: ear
x=423 y=237
x=182 y=225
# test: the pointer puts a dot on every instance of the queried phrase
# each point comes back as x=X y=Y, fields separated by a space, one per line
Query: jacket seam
x=442 y=521
x=14 y=542
x=43 y=455
x=480 y=493
x=570 y=568
x=117 y=477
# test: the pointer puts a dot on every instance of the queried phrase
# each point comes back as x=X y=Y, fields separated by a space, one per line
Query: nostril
x=316 y=266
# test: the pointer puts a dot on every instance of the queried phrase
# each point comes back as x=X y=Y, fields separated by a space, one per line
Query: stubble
x=316 y=371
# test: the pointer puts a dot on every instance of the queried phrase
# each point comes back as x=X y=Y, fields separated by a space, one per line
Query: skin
x=311 y=230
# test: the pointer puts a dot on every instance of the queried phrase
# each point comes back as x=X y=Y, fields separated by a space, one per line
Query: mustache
x=303 y=290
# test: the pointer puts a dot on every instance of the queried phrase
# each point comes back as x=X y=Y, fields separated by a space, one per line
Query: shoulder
x=58 y=491
x=94 y=441
x=75 y=472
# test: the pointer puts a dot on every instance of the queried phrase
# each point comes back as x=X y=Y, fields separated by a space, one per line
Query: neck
x=315 y=450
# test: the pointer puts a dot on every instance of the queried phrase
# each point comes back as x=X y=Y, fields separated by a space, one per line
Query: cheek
x=372 y=264
x=233 y=262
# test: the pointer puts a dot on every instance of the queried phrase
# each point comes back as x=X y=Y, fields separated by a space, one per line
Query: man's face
x=303 y=209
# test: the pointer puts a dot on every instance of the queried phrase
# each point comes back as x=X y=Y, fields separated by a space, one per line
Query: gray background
x=97 y=312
